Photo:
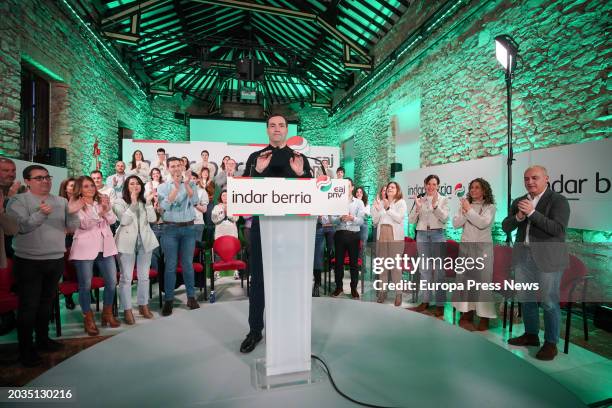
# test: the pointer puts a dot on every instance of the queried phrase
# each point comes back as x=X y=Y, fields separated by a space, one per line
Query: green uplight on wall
x=40 y=67
x=104 y=47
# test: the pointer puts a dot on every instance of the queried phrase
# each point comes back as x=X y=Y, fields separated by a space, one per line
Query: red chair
x=410 y=247
x=575 y=274
x=452 y=251
x=226 y=246
x=69 y=286
x=347 y=262
x=8 y=299
x=502 y=263
x=198 y=270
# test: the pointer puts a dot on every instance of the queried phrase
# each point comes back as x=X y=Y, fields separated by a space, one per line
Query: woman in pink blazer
x=93 y=242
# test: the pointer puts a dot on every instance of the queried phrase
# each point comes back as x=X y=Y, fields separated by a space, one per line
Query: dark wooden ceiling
x=309 y=48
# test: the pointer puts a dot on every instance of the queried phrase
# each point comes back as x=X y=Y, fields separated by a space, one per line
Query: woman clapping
x=135 y=242
x=388 y=214
x=93 y=243
x=475 y=216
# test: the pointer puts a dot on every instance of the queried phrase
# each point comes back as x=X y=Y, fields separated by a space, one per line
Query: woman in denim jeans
x=430 y=213
x=135 y=242
x=93 y=243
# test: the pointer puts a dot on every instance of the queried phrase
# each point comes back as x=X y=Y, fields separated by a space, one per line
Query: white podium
x=287 y=209
x=287 y=248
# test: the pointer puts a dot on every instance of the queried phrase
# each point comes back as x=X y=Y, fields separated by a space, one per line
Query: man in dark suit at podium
x=275 y=160
x=539 y=255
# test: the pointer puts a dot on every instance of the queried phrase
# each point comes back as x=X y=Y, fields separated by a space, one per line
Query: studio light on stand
x=506 y=52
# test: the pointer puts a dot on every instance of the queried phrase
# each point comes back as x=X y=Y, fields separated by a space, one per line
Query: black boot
x=69 y=302
x=315 y=290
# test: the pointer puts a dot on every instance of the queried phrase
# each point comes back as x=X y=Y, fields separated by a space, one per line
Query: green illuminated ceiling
x=190 y=46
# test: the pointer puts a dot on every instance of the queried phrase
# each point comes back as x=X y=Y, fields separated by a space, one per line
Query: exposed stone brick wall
x=314 y=124
x=417 y=13
x=10 y=90
x=560 y=93
x=93 y=97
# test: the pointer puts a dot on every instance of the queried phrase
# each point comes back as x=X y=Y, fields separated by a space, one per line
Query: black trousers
x=257 y=299
x=37 y=287
x=346 y=241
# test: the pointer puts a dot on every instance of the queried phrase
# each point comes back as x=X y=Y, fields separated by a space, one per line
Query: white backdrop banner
x=455 y=179
x=217 y=150
x=581 y=172
x=280 y=196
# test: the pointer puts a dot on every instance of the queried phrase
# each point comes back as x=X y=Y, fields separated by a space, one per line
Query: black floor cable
x=601 y=404
x=365 y=404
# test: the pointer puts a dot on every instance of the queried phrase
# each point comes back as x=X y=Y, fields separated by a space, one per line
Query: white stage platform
x=378 y=355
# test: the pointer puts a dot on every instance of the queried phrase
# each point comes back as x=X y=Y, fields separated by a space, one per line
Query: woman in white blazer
x=135 y=242
x=430 y=213
x=475 y=215
x=388 y=215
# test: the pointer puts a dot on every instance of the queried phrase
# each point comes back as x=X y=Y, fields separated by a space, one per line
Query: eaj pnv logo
x=323 y=183
x=299 y=144
x=459 y=190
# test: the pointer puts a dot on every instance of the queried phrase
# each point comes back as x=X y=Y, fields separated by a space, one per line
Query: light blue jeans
x=126 y=267
x=549 y=283
x=175 y=241
x=199 y=231
x=432 y=244
x=84 y=269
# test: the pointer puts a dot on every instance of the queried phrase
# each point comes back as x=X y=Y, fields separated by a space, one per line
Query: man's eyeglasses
x=41 y=178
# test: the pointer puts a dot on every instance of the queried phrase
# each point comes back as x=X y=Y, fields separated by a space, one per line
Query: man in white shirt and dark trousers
x=346 y=239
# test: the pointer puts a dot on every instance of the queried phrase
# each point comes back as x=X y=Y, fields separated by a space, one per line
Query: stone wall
x=90 y=96
x=560 y=93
